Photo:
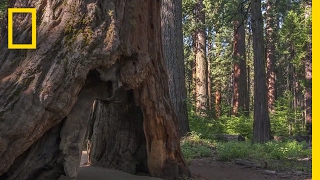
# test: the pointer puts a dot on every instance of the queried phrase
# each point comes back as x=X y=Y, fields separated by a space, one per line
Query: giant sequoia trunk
x=172 y=39
x=270 y=50
x=261 y=124
x=86 y=50
x=240 y=92
x=201 y=61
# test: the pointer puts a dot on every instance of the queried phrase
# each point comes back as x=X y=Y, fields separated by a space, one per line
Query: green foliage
x=231 y=150
x=286 y=120
x=193 y=146
x=279 y=150
x=271 y=155
x=207 y=126
x=277 y=155
x=238 y=125
x=292 y=47
x=294 y=36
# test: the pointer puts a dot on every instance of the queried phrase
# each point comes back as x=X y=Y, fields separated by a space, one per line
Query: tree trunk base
x=43 y=160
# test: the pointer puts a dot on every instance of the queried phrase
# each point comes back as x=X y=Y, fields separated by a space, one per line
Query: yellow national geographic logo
x=33 y=44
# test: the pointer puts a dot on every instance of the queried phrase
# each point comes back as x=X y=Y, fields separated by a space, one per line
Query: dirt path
x=207 y=169
x=201 y=169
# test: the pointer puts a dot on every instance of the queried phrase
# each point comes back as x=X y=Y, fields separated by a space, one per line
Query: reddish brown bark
x=270 y=54
x=46 y=90
x=240 y=92
x=218 y=103
x=201 y=62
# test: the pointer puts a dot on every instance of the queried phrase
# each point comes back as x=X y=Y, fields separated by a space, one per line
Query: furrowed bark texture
x=270 y=49
x=240 y=92
x=86 y=50
x=308 y=76
x=261 y=124
x=201 y=66
x=172 y=40
x=116 y=138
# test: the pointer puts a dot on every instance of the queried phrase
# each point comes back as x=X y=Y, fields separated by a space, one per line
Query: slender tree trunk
x=261 y=125
x=308 y=92
x=270 y=36
x=308 y=74
x=248 y=91
x=240 y=94
x=201 y=62
x=172 y=40
x=218 y=101
x=84 y=51
x=209 y=86
x=193 y=69
x=209 y=80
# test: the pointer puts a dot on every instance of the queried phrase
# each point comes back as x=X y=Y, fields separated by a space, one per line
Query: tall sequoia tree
x=240 y=92
x=270 y=50
x=86 y=50
x=172 y=41
x=261 y=124
x=201 y=70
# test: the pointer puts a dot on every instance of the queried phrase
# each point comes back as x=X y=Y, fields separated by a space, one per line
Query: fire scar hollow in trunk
x=87 y=50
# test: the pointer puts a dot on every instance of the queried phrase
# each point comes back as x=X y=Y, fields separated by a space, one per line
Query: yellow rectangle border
x=33 y=44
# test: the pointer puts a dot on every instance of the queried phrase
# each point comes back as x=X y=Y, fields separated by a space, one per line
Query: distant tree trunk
x=218 y=101
x=209 y=80
x=209 y=87
x=240 y=92
x=193 y=69
x=248 y=90
x=201 y=62
x=209 y=76
x=261 y=125
x=172 y=41
x=308 y=92
x=85 y=51
x=270 y=36
x=308 y=73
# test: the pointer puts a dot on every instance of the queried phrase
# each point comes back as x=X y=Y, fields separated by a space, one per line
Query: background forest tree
x=286 y=52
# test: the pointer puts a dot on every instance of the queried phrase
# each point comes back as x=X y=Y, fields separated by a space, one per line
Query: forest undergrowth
x=281 y=156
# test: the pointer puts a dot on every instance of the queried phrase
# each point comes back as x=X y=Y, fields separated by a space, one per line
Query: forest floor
x=210 y=169
x=201 y=169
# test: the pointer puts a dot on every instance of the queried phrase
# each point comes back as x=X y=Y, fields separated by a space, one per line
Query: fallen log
x=228 y=137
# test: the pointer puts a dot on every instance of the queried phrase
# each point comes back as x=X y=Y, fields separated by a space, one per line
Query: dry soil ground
x=201 y=169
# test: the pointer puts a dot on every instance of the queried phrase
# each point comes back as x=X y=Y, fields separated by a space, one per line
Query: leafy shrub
x=286 y=120
x=225 y=125
x=205 y=126
x=192 y=146
x=268 y=151
x=232 y=150
x=238 y=125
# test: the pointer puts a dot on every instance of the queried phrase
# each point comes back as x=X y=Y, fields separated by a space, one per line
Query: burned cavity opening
x=114 y=131
x=95 y=77
x=122 y=145
x=115 y=137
